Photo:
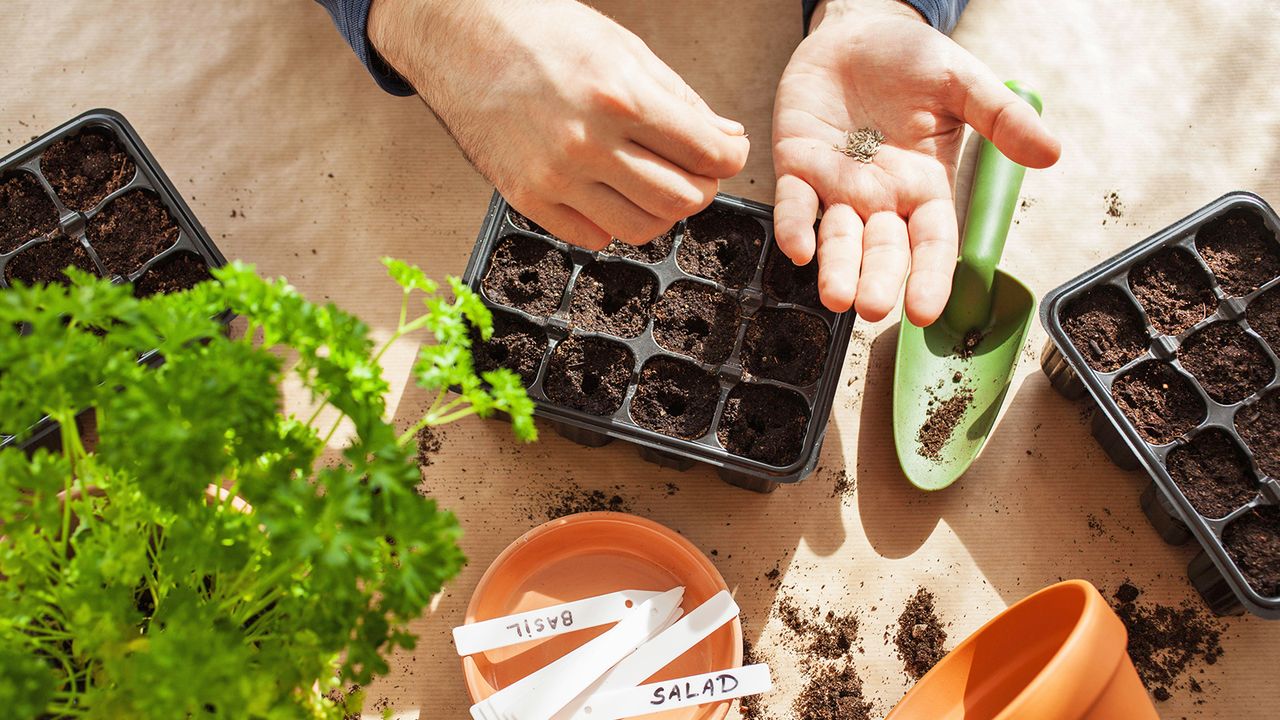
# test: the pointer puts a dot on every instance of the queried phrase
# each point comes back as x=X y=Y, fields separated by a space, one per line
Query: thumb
x=999 y=115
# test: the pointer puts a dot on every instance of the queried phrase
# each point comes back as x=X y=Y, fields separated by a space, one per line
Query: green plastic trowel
x=950 y=378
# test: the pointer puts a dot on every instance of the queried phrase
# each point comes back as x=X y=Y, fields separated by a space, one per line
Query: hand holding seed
x=868 y=122
x=574 y=119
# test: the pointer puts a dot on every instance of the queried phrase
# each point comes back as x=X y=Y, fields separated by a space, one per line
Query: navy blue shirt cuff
x=942 y=14
x=352 y=19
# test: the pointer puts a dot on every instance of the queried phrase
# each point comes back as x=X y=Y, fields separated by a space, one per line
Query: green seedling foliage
x=131 y=587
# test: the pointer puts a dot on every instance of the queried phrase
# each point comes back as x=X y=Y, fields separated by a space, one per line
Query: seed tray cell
x=1187 y=388
x=90 y=194
x=690 y=347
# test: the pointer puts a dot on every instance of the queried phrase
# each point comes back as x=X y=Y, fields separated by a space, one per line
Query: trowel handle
x=992 y=201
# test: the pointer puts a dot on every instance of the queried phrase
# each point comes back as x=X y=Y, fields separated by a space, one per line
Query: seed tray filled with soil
x=1175 y=341
x=702 y=346
x=89 y=194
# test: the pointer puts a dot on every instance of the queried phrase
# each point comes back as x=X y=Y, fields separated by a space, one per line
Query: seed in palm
x=861 y=144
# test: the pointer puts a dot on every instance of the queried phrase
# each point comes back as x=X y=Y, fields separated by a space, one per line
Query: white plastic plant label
x=682 y=693
x=547 y=622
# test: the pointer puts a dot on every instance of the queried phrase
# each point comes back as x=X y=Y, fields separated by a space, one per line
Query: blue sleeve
x=352 y=19
x=942 y=14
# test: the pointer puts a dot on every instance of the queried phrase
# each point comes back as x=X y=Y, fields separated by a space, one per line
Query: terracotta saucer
x=592 y=554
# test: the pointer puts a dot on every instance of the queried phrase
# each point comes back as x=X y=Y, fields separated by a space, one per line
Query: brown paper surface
x=294 y=160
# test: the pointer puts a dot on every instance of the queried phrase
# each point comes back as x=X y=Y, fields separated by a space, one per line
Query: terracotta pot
x=1059 y=654
x=592 y=554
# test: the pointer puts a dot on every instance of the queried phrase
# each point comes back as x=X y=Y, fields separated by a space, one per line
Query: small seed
x=861 y=144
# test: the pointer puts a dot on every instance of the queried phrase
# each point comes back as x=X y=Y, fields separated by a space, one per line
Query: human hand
x=876 y=64
x=575 y=121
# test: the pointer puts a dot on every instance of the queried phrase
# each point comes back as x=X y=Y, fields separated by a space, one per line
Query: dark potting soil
x=675 y=397
x=816 y=635
x=787 y=282
x=1254 y=544
x=528 y=274
x=26 y=212
x=1264 y=317
x=590 y=374
x=764 y=422
x=1105 y=327
x=1240 y=250
x=654 y=251
x=1229 y=364
x=516 y=344
x=173 y=274
x=1259 y=425
x=969 y=344
x=1160 y=402
x=695 y=319
x=786 y=345
x=1166 y=642
x=1173 y=289
x=722 y=246
x=525 y=223
x=86 y=168
x=614 y=298
x=920 y=639
x=44 y=262
x=430 y=442
x=941 y=420
x=572 y=498
x=1213 y=473
x=130 y=231
x=834 y=693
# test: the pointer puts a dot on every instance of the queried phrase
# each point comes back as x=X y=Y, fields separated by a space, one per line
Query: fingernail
x=731 y=127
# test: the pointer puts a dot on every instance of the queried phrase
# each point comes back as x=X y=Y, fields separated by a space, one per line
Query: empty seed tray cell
x=704 y=345
x=1177 y=342
x=89 y=194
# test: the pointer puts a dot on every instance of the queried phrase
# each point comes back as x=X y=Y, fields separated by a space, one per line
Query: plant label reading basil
x=681 y=693
x=547 y=622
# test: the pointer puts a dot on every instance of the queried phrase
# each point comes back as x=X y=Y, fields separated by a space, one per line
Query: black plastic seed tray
x=1176 y=340
x=60 y=208
x=695 y=356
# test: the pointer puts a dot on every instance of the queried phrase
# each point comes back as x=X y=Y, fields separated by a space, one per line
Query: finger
x=934 y=242
x=614 y=213
x=1002 y=117
x=657 y=186
x=671 y=80
x=688 y=139
x=839 y=257
x=572 y=227
x=795 y=209
x=885 y=257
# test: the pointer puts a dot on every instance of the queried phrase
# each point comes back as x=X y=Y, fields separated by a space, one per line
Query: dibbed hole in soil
x=45 y=262
x=785 y=345
x=787 y=282
x=173 y=274
x=1214 y=474
x=1173 y=289
x=1105 y=327
x=26 y=212
x=1253 y=541
x=134 y=228
x=1229 y=364
x=516 y=344
x=1160 y=402
x=652 y=252
x=1264 y=317
x=1259 y=425
x=525 y=223
x=676 y=398
x=1240 y=250
x=764 y=423
x=590 y=374
x=614 y=298
x=697 y=320
x=722 y=246
x=86 y=168
x=527 y=274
